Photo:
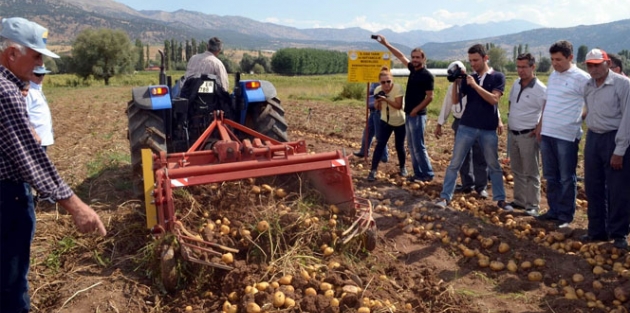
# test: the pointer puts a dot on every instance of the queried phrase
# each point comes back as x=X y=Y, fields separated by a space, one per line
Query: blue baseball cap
x=41 y=70
x=26 y=33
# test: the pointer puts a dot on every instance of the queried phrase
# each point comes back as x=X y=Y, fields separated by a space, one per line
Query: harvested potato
x=534 y=276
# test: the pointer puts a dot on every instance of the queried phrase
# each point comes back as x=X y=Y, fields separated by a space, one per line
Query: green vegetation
x=293 y=61
x=102 y=54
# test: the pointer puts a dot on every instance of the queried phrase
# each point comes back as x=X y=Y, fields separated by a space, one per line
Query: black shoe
x=588 y=238
x=516 y=206
x=358 y=154
x=462 y=189
x=621 y=243
x=546 y=217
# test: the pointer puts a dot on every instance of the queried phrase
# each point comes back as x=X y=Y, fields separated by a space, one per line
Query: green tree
x=497 y=58
x=193 y=47
x=247 y=63
x=148 y=57
x=520 y=48
x=102 y=53
x=258 y=69
x=514 y=55
x=581 y=55
x=140 y=52
x=230 y=66
x=167 y=53
x=543 y=65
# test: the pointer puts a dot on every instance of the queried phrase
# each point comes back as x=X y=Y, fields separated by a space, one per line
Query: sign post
x=364 y=67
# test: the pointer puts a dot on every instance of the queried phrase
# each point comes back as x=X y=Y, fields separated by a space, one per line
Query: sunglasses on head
x=40 y=75
x=386 y=82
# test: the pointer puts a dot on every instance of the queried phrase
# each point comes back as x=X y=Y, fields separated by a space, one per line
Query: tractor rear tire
x=269 y=120
x=146 y=130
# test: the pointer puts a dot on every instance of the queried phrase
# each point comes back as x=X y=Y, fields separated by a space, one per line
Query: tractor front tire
x=146 y=130
x=269 y=120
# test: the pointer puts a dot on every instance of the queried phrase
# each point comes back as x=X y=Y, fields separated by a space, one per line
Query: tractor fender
x=143 y=98
x=265 y=92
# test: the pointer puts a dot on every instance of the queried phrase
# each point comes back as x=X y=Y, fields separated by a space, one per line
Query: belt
x=522 y=132
x=372 y=110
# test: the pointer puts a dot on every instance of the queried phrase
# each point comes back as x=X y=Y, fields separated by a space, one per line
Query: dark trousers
x=384 y=132
x=17 y=228
x=474 y=170
x=607 y=190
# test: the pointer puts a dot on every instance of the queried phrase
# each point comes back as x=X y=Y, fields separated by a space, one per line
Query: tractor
x=196 y=133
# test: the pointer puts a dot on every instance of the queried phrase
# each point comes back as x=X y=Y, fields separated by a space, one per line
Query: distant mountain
x=612 y=37
x=66 y=18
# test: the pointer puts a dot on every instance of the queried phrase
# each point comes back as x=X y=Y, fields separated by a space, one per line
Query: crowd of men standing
x=544 y=129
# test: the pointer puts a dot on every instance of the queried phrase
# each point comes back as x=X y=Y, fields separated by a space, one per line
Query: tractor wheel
x=269 y=120
x=146 y=130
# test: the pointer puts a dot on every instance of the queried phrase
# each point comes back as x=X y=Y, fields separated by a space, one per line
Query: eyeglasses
x=383 y=82
x=40 y=75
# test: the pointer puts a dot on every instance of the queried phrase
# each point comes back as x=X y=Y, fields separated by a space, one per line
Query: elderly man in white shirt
x=37 y=108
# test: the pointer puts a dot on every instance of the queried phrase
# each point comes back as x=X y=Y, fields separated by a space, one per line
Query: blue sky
x=402 y=15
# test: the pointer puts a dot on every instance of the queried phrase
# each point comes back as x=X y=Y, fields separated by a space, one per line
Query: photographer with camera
x=389 y=100
x=473 y=173
x=418 y=95
x=479 y=122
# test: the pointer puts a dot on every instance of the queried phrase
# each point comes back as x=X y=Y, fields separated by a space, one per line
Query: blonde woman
x=389 y=100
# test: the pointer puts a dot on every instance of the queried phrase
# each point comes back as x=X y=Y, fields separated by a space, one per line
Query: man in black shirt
x=418 y=95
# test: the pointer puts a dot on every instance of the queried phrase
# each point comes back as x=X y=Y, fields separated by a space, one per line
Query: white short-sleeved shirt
x=562 y=116
x=39 y=114
x=526 y=104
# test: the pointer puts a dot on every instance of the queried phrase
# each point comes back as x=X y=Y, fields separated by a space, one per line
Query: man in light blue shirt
x=606 y=156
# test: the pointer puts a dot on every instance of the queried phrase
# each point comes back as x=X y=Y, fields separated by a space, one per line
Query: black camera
x=380 y=94
x=374 y=36
x=454 y=73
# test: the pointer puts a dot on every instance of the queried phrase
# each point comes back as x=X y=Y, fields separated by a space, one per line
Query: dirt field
x=426 y=259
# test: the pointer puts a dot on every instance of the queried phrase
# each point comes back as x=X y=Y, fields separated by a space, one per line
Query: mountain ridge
x=66 y=18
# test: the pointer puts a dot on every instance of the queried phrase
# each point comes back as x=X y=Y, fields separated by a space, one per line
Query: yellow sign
x=364 y=66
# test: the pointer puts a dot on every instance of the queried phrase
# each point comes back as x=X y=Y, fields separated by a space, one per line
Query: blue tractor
x=170 y=118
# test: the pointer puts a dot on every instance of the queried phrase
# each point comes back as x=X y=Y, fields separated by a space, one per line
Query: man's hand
x=381 y=39
x=84 y=217
x=500 y=128
x=616 y=162
x=470 y=80
x=438 y=131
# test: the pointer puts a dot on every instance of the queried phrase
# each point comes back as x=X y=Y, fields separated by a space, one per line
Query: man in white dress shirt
x=37 y=108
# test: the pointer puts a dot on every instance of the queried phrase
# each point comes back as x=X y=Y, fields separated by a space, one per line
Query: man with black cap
x=23 y=163
x=37 y=108
x=606 y=153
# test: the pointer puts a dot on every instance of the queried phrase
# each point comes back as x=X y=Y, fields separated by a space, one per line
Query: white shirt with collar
x=39 y=114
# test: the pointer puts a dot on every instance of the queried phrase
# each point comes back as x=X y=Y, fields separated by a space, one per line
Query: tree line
x=104 y=53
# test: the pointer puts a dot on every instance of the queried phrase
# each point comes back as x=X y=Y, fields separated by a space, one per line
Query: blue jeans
x=473 y=173
x=384 y=132
x=372 y=130
x=489 y=143
x=414 y=127
x=606 y=189
x=559 y=159
x=17 y=228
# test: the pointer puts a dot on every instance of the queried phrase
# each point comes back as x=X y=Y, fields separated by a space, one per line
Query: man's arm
x=381 y=39
x=423 y=104
x=490 y=97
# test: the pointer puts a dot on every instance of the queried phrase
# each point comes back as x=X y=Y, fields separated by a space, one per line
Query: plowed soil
x=426 y=259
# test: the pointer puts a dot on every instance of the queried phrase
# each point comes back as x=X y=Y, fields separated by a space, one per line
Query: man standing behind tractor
x=208 y=63
x=527 y=98
x=559 y=132
x=606 y=154
x=23 y=162
x=418 y=95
